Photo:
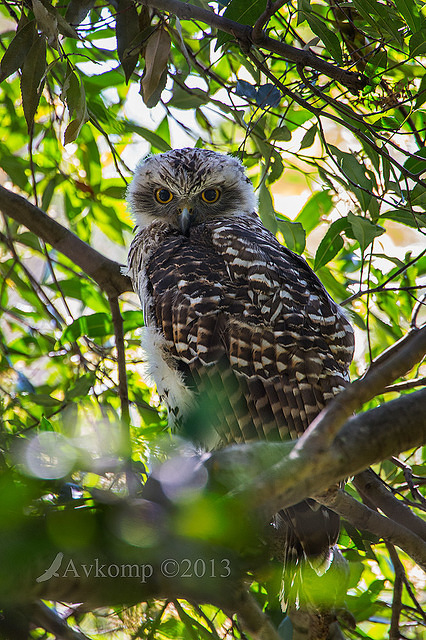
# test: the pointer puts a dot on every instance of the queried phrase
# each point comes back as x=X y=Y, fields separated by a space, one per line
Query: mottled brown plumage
x=234 y=319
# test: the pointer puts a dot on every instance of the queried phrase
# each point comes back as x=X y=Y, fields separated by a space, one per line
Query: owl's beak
x=185 y=220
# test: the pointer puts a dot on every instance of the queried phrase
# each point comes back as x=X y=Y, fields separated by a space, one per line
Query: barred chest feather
x=244 y=320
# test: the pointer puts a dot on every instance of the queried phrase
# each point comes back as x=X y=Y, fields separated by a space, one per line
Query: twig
x=420 y=303
x=394 y=633
x=271 y=8
x=320 y=112
x=121 y=361
x=388 y=279
x=51 y=621
x=104 y=271
x=408 y=475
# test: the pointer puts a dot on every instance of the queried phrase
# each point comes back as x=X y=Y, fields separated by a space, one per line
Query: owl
x=236 y=325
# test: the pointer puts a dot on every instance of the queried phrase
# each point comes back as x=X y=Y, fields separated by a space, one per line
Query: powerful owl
x=235 y=322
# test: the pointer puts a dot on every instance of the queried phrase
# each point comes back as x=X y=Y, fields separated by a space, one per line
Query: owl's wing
x=251 y=327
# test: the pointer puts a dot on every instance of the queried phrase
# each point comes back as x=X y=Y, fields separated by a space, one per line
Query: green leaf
x=409 y=11
x=319 y=204
x=155 y=96
x=417 y=162
x=14 y=167
x=45 y=425
x=156 y=57
x=421 y=94
x=152 y=137
x=132 y=320
x=385 y=18
x=99 y=325
x=43 y=399
x=242 y=11
x=356 y=172
x=309 y=137
x=418 y=43
x=18 y=49
x=266 y=209
x=61 y=24
x=81 y=388
x=364 y=230
x=188 y=98
x=409 y=218
x=293 y=233
x=96 y=325
x=76 y=100
x=331 y=244
x=127 y=30
x=330 y=40
x=84 y=291
x=281 y=133
x=77 y=10
x=32 y=73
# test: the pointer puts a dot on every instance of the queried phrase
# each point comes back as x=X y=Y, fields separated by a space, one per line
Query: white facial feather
x=186 y=173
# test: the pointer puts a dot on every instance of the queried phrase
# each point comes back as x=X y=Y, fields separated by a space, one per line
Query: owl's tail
x=307 y=534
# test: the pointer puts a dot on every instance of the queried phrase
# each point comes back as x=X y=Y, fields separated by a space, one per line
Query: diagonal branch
x=369 y=485
x=362 y=517
x=244 y=35
x=105 y=272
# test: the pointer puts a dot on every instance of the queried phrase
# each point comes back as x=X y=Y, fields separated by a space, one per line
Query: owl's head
x=185 y=187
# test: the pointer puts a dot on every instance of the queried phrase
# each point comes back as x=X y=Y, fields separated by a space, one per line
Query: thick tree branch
x=244 y=35
x=364 y=518
x=27 y=552
x=105 y=272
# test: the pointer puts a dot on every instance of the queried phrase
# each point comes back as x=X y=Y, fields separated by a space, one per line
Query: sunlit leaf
x=331 y=243
x=318 y=205
x=309 y=137
x=364 y=230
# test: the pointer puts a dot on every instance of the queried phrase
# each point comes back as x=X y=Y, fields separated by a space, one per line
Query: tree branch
x=117 y=320
x=27 y=550
x=105 y=272
x=369 y=485
x=362 y=517
x=271 y=8
x=244 y=35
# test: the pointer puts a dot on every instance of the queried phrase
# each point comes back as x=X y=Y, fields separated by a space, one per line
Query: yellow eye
x=163 y=196
x=210 y=196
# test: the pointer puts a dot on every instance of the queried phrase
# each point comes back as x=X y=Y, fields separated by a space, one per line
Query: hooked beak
x=185 y=220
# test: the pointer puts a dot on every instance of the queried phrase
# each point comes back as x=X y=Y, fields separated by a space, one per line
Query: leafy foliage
x=89 y=87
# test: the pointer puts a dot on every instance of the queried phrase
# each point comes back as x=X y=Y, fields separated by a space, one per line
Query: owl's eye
x=210 y=195
x=163 y=196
